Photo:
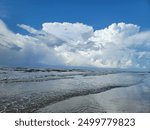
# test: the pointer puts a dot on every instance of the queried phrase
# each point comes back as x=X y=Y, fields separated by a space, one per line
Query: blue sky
x=97 y=13
x=91 y=33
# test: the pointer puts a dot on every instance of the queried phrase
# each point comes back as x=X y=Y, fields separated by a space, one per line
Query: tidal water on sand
x=60 y=90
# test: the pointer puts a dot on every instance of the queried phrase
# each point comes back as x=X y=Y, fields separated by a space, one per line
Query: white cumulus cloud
x=119 y=45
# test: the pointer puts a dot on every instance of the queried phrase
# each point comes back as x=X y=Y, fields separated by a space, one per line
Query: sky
x=97 y=13
x=95 y=33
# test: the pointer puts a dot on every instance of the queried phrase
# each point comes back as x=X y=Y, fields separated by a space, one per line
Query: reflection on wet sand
x=128 y=99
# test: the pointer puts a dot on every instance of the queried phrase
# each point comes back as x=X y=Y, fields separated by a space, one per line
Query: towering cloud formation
x=75 y=44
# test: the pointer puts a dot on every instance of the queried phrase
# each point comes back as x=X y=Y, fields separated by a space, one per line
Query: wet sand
x=35 y=90
x=133 y=99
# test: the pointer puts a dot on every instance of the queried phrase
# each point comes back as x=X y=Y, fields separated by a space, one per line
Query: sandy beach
x=44 y=90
